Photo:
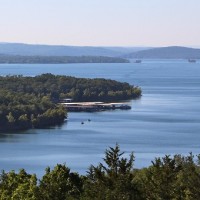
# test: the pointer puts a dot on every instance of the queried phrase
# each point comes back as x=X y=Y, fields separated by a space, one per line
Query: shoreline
x=94 y=106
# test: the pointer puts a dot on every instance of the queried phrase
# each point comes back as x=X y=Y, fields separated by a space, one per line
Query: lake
x=165 y=120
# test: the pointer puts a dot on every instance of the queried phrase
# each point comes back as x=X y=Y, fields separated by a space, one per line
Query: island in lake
x=34 y=102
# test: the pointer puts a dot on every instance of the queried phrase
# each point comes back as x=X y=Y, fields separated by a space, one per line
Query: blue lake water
x=165 y=120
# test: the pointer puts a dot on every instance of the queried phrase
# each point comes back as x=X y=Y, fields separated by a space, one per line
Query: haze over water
x=165 y=120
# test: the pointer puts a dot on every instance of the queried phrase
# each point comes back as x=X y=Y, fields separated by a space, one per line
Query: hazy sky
x=101 y=22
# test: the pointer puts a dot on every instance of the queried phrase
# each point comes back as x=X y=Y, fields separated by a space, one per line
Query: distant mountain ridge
x=61 y=50
x=172 y=52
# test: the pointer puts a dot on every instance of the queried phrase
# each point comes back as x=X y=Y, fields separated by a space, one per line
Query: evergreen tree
x=113 y=181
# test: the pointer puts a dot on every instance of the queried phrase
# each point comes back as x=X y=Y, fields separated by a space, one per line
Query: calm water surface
x=165 y=120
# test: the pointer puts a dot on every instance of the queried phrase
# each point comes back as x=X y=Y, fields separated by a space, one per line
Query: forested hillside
x=173 y=52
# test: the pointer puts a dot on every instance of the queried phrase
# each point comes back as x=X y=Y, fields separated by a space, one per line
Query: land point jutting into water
x=34 y=102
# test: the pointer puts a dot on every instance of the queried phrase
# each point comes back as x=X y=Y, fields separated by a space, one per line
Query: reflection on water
x=165 y=120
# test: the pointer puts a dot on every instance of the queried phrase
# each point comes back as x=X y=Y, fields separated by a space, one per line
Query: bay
x=165 y=120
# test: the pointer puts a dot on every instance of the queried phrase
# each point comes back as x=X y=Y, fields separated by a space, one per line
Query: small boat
x=137 y=61
x=191 y=60
x=125 y=107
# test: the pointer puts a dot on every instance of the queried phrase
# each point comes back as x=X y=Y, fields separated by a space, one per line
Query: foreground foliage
x=168 y=178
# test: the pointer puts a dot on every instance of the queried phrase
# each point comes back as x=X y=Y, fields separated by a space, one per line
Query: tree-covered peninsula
x=33 y=102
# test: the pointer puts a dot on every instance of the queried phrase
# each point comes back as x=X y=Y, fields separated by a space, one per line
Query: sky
x=101 y=22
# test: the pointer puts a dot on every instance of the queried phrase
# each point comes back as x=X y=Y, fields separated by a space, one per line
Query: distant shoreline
x=16 y=59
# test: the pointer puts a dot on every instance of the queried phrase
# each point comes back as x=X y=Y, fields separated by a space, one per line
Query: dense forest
x=80 y=89
x=14 y=59
x=167 y=178
x=32 y=102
